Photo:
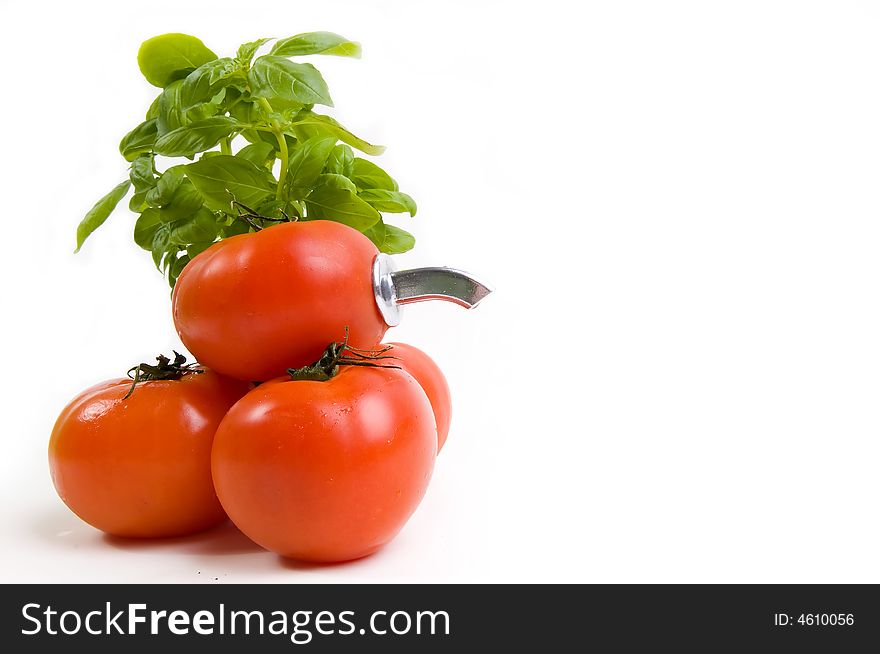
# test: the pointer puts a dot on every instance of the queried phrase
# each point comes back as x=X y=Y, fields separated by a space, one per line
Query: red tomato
x=141 y=467
x=431 y=379
x=326 y=470
x=253 y=305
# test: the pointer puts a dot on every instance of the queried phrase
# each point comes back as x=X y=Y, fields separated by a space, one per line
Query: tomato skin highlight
x=429 y=376
x=326 y=471
x=140 y=467
x=253 y=305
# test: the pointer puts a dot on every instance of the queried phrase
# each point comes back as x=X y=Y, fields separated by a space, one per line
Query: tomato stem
x=341 y=354
x=251 y=217
x=164 y=369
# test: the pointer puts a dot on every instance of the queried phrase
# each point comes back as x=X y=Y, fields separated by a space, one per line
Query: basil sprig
x=290 y=162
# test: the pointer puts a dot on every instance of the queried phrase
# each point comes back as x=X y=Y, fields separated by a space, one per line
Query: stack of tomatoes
x=315 y=439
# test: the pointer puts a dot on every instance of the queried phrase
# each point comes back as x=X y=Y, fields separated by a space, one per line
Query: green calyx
x=248 y=134
x=340 y=354
x=165 y=368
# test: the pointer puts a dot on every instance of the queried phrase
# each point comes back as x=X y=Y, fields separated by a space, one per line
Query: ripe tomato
x=431 y=379
x=140 y=467
x=326 y=470
x=253 y=305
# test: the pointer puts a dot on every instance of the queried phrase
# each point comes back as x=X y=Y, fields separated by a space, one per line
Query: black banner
x=409 y=618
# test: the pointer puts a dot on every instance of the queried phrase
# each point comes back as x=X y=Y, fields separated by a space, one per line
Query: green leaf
x=326 y=43
x=146 y=226
x=217 y=177
x=161 y=244
x=184 y=204
x=100 y=212
x=195 y=249
x=205 y=81
x=153 y=110
x=258 y=154
x=306 y=163
x=336 y=181
x=187 y=140
x=389 y=201
x=342 y=206
x=138 y=140
x=309 y=124
x=249 y=112
x=166 y=187
x=365 y=174
x=390 y=239
x=236 y=228
x=138 y=201
x=176 y=268
x=171 y=116
x=276 y=77
x=201 y=226
x=247 y=51
x=206 y=109
x=341 y=160
x=169 y=57
x=141 y=173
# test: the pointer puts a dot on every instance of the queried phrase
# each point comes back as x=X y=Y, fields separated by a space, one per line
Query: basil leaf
x=336 y=181
x=141 y=173
x=342 y=206
x=176 y=268
x=236 y=228
x=187 y=140
x=171 y=116
x=390 y=201
x=217 y=177
x=201 y=226
x=145 y=228
x=138 y=201
x=168 y=57
x=184 y=204
x=205 y=81
x=249 y=112
x=143 y=179
x=246 y=51
x=166 y=187
x=276 y=77
x=326 y=43
x=365 y=174
x=194 y=249
x=100 y=212
x=258 y=154
x=153 y=110
x=341 y=160
x=306 y=163
x=390 y=239
x=160 y=245
x=309 y=124
x=138 y=140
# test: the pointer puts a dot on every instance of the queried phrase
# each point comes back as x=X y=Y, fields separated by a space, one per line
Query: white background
x=677 y=379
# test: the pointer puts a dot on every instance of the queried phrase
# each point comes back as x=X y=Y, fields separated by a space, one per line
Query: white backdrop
x=677 y=379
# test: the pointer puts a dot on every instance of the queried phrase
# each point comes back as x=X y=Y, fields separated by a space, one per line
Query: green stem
x=282 y=173
x=282 y=148
x=226 y=146
x=264 y=103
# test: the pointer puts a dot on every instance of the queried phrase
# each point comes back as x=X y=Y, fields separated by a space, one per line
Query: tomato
x=141 y=467
x=253 y=305
x=431 y=379
x=326 y=470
